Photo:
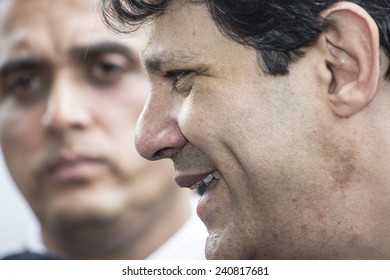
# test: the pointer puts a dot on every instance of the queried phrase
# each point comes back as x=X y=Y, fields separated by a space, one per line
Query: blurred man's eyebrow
x=102 y=48
x=79 y=51
x=17 y=65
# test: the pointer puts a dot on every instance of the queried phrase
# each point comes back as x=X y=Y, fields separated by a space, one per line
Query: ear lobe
x=352 y=46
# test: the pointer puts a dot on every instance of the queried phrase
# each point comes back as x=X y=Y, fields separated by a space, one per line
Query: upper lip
x=188 y=180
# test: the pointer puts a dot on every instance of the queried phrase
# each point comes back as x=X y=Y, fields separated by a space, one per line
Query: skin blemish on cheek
x=304 y=228
x=339 y=154
x=321 y=216
x=355 y=239
x=344 y=170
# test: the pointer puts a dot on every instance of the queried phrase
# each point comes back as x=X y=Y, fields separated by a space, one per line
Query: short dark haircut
x=279 y=30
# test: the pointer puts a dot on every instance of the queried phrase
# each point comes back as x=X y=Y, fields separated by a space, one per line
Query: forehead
x=184 y=29
x=50 y=28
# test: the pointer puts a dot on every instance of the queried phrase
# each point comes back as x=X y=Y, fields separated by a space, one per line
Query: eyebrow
x=160 y=62
x=102 y=48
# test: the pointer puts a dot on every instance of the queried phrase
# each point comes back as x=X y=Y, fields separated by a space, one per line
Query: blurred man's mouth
x=75 y=168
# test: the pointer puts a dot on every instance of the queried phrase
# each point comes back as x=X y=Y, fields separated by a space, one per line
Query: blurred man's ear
x=352 y=57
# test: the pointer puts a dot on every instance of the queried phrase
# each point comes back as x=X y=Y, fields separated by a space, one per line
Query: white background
x=16 y=217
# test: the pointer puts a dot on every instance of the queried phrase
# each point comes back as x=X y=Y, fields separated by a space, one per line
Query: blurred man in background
x=70 y=95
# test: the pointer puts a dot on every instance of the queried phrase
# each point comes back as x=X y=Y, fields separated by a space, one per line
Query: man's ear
x=352 y=57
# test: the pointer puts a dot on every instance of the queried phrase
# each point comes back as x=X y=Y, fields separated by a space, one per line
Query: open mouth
x=206 y=180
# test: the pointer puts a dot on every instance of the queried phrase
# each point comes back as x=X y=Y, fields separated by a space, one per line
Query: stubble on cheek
x=340 y=156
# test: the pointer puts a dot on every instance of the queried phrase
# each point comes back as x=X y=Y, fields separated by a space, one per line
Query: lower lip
x=207 y=198
x=80 y=170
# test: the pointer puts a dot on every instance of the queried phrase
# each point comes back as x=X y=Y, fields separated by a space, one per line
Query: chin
x=219 y=247
x=68 y=212
x=88 y=202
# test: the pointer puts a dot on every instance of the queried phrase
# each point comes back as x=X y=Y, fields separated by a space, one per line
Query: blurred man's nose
x=66 y=107
x=158 y=134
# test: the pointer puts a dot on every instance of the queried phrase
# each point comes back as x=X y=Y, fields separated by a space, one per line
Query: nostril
x=157 y=155
x=163 y=153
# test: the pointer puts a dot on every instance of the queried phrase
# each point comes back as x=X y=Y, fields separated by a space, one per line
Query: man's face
x=212 y=110
x=70 y=95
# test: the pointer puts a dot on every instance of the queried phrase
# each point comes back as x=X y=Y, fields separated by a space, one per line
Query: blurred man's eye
x=108 y=69
x=23 y=85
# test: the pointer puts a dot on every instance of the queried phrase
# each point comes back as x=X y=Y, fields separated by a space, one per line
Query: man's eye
x=178 y=78
x=109 y=68
x=106 y=71
x=22 y=85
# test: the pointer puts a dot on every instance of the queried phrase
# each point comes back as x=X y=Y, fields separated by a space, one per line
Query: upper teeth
x=215 y=175
x=208 y=178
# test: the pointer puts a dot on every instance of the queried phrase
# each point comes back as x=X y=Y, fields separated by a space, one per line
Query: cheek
x=136 y=92
x=122 y=107
x=21 y=142
x=201 y=115
x=20 y=131
x=120 y=124
x=125 y=99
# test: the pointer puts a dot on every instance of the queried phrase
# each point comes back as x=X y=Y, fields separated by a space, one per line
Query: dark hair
x=279 y=29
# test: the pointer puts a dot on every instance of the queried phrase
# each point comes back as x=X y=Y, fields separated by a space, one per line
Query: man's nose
x=67 y=105
x=158 y=134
